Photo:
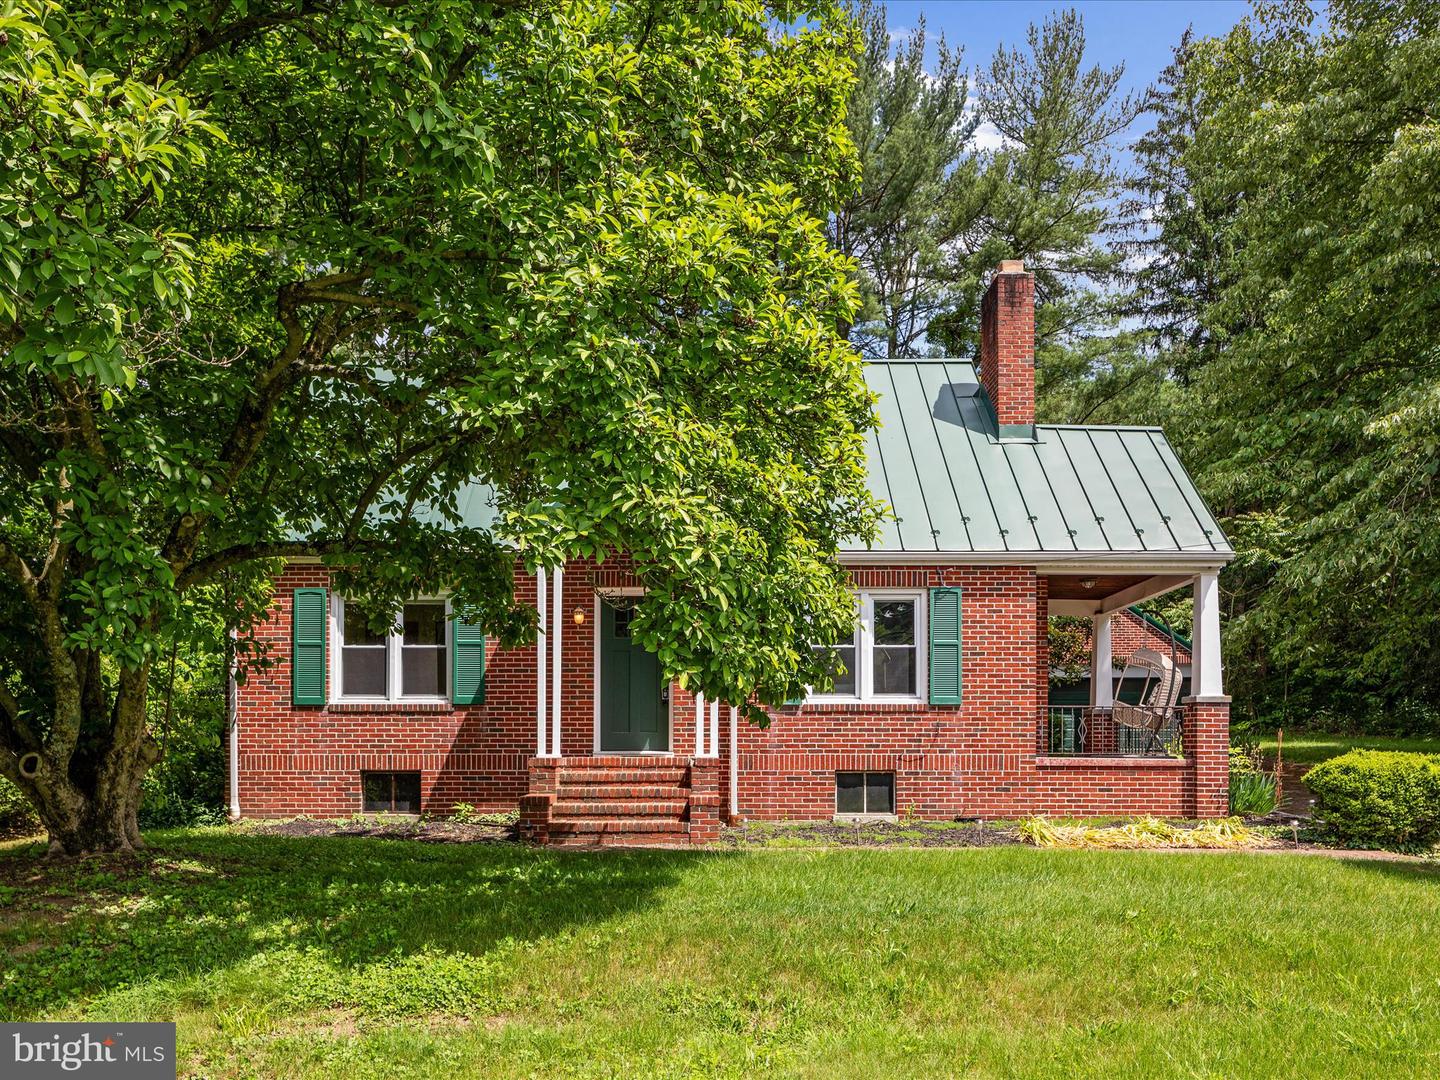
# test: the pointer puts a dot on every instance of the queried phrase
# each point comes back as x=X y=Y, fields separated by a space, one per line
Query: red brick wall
x=977 y=759
x=1129 y=632
x=297 y=759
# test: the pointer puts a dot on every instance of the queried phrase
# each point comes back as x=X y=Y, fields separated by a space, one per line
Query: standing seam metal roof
x=939 y=462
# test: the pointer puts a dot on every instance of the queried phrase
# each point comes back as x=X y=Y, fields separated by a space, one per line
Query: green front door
x=634 y=714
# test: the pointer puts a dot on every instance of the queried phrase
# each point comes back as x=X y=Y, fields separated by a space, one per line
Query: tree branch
x=19 y=570
x=201 y=570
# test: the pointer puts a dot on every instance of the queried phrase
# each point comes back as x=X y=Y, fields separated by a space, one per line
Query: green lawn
x=1312 y=748
x=384 y=958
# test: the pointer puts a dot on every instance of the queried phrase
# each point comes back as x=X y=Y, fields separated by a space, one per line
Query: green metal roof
x=954 y=485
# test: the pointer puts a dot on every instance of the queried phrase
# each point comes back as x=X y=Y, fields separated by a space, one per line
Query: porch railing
x=1083 y=730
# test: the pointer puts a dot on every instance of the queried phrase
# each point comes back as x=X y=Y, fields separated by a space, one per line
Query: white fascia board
x=1053 y=562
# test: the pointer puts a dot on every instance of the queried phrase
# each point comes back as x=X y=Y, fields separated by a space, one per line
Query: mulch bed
x=430 y=832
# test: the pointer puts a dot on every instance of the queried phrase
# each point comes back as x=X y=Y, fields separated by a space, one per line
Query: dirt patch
x=928 y=834
x=430 y=832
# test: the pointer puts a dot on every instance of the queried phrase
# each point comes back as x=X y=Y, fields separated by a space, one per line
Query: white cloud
x=987 y=137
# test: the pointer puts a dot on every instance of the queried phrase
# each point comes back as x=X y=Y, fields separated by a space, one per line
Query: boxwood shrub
x=1378 y=798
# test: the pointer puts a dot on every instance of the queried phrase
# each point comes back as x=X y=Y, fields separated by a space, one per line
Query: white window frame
x=865 y=645
x=393 y=655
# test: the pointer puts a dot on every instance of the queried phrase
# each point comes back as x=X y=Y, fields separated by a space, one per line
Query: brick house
x=943 y=710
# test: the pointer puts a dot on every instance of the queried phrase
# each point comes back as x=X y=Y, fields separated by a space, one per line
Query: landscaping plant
x=1373 y=798
x=1253 y=790
x=1145 y=832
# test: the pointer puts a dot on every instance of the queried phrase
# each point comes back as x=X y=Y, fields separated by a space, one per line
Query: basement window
x=391 y=792
x=864 y=794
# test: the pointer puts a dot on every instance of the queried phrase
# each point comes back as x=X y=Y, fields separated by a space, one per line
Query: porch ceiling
x=1069 y=587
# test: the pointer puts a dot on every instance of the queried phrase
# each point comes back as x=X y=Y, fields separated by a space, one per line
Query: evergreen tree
x=922 y=185
x=1175 y=221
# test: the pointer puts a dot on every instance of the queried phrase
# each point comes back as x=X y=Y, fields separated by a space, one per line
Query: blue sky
x=1137 y=33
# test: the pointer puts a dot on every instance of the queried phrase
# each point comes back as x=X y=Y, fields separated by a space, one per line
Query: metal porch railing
x=1082 y=730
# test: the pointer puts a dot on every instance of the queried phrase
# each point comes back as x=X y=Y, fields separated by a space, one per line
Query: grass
x=1311 y=748
x=285 y=957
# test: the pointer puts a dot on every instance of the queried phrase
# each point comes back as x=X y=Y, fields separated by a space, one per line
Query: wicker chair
x=1158 y=697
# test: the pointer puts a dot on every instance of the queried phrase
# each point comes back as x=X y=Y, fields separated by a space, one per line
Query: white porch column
x=1102 y=668
x=542 y=605
x=557 y=622
x=1205 y=676
x=712 y=744
x=734 y=763
x=699 y=724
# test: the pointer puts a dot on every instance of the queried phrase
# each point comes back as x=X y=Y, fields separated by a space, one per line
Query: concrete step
x=604 y=826
x=621 y=809
x=600 y=841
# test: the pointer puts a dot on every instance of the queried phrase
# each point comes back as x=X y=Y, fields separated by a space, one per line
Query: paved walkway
x=1295 y=797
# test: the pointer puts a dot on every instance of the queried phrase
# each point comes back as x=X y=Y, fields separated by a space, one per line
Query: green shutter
x=467 y=664
x=944 y=646
x=308 y=624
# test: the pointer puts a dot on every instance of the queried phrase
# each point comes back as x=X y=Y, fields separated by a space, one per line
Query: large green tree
x=1314 y=418
x=281 y=278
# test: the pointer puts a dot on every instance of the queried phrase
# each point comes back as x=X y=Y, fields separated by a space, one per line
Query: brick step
x=622 y=761
x=620 y=792
x=620 y=809
x=607 y=826
x=583 y=777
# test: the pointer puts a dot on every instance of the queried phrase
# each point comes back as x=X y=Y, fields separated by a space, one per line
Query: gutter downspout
x=232 y=722
x=542 y=605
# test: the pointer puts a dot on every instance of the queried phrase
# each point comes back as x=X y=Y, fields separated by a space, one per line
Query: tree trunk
x=102 y=820
x=89 y=801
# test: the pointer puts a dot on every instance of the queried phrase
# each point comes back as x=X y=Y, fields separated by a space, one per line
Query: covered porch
x=1154 y=724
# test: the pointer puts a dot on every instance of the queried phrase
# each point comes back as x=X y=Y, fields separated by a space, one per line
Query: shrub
x=17 y=816
x=1379 y=798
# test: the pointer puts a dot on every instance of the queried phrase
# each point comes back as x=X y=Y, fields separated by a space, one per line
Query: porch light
x=1087 y=583
x=579 y=616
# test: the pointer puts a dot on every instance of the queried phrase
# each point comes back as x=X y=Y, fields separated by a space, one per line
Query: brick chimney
x=1007 y=349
